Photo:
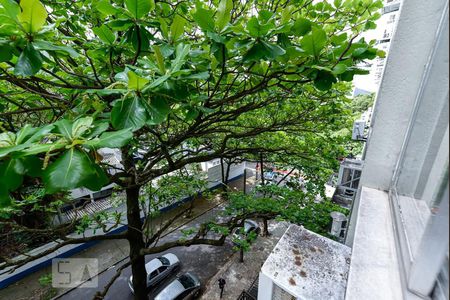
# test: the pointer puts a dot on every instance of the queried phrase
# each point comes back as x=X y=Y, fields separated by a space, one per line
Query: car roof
x=152 y=265
x=171 y=291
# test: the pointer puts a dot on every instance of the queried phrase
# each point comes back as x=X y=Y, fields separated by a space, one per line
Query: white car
x=186 y=286
x=249 y=226
x=157 y=269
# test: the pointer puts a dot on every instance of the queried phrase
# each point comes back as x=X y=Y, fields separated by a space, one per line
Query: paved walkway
x=240 y=276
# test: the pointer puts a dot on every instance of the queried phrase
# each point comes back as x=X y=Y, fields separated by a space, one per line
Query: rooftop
x=308 y=265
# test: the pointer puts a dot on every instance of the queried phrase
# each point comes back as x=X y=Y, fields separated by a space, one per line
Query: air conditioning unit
x=358 y=130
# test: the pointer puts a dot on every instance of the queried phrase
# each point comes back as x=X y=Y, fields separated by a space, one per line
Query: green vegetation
x=361 y=103
x=182 y=82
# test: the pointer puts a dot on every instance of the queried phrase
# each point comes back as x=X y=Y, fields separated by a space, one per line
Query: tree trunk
x=241 y=255
x=261 y=162
x=222 y=169
x=191 y=206
x=265 y=228
x=136 y=242
x=227 y=174
x=245 y=181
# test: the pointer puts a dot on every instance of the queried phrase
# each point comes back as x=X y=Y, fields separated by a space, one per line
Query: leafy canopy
x=163 y=76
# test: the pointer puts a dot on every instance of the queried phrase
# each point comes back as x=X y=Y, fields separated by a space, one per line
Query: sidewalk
x=239 y=276
x=108 y=252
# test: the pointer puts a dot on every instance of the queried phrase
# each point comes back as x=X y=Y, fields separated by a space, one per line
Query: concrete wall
x=265 y=287
x=403 y=75
x=215 y=173
x=410 y=76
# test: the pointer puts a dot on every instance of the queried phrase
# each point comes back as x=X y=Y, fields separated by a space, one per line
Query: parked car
x=271 y=176
x=158 y=269
x=186 y=286
x=249 y=226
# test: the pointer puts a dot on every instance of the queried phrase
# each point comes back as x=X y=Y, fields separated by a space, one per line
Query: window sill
x=374 y=269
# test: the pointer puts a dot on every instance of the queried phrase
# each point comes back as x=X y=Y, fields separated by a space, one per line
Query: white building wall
x=402 y=80
x=416 y=70
x=215 y=172
x=265 y=287
x=384 y=32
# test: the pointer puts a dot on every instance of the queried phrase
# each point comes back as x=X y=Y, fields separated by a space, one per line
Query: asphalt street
x=202 y=260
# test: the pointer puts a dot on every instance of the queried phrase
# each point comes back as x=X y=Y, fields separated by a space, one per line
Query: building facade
x=398 y=230
x=383 y=34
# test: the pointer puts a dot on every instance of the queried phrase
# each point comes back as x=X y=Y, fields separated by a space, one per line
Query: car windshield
x=186 y=281
x=164 y=261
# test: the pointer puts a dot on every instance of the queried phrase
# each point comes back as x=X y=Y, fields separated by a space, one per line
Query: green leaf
x=381 y=54
x=128 y=113
x=339 y=69
x=135 y=82
x=191 y=114
x=111 y=139
x=43 y=45
x=11 y=8
x=96 y=179
x=80 y=126
x=314 y=42
x=11 y=173
x=29 y=63
x=97 y=128
x=263 y=50
x=157 y=82
x=40 y=133
x=198 y=76
x=33 y=15
x=204 y=19
x=370 y=25
x=106 y=92
x=159 y=59
x=9 y=149
x=105 y=34
x=223 y=15
x=7 y=139
x=68 y=172
x=339 y=39
x=23 y=133
x=177 y=27
x=64 y=127
x=181 y=52
x=5 y=199
x=41 y=148
x=106 y=8
x=256 y=29
x=139 y=8
x=324 y=80
x=157 y=111
x=121 y=24
x=6 y=52
x=301 y=27
x=139 y=38
x=33 y=166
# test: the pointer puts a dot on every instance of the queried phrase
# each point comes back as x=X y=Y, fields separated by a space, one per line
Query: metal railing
x=245 y=296
x=252 y=292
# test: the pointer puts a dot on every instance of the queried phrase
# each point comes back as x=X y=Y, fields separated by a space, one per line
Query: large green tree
x=183 y=81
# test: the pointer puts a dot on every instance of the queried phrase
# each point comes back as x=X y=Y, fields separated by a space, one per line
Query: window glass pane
x=422 y=169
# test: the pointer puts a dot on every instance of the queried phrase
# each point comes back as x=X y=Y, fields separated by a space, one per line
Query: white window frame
x=420 y=270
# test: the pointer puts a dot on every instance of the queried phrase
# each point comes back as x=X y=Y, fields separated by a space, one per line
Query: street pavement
x=202 y=260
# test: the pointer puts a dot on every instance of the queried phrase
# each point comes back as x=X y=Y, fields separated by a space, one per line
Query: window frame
x=420 y=270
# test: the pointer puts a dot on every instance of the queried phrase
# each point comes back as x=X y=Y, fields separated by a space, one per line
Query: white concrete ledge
x=374 y=268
